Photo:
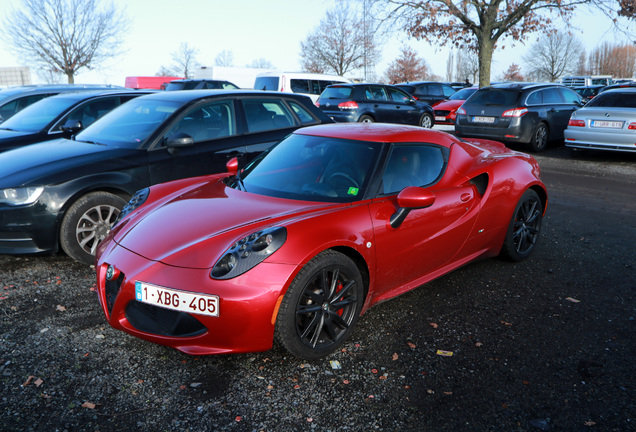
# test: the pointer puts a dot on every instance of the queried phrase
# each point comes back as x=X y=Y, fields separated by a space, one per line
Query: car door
x=200 y=141
x=557 y=111
x=405 y=111
x=381 y=107
x=428 y=238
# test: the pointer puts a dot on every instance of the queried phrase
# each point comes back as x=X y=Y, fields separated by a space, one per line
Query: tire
x=540 y=138
x=525 y=227
x=366 y=119
x=87 y=222
x=426 y=121
x=312 y=322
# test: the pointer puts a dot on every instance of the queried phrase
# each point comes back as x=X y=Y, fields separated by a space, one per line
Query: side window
x=535 y=98
x=570 y=96
x=551 y=96
x=304 y=115
x=300 y=86
x=266 y=114
x=89 y=112
x=397 y=96
x=376 y=93
x=411 y=165
x=435 y=90
x=207 y=122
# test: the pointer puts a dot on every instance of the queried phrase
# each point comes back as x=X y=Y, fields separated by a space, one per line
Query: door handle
x=465 y=197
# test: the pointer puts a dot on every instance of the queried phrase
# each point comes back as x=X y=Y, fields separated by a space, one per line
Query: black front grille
x=161 y=321
x=112 y=289
x=442 y=113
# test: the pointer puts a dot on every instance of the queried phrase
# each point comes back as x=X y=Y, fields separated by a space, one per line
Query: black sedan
x=60 y=116
x=67 y=193
x=367 y=103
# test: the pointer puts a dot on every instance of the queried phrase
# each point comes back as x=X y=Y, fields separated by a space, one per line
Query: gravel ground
x=542 y=345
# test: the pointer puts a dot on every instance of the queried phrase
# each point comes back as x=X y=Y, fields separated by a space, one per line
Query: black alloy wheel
x=540 y=138
x=321 y=307
x=525 y=227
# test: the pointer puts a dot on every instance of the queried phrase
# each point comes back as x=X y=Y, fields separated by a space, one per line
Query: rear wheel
x=87 y=222
x=321 y=307
x=365 y=119
x=426 y=121
x=525 y=227
x=540 y=138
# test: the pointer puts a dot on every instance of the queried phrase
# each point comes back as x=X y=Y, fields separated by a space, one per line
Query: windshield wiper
x=92 y=142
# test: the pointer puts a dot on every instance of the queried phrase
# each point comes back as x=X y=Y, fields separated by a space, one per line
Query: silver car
x=607 y=122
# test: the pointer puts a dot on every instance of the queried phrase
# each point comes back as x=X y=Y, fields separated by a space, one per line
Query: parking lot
x=545 y=344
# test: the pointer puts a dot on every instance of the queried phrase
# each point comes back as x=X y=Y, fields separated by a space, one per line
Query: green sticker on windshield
x=353 y=191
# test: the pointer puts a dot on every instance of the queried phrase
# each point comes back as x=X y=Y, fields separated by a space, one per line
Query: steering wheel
x=345 y=176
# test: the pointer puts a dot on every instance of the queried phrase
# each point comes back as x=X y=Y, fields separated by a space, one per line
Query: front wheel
x=426 y=121
x=540 y=138
x=321 y=307
x=87 y=222
x=525 y=227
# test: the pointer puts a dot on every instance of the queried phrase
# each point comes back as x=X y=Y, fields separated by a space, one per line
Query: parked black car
x=430 y=92
x=14 y=99
x=67 y=193
x=200 y=84
x=588 y=93
x=528 y=113
x=60 y=116
x=374 y=103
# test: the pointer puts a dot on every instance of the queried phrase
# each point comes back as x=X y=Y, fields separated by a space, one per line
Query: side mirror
x=71 y=127
x=412 y=197
x=232 y=166
x=180 y=140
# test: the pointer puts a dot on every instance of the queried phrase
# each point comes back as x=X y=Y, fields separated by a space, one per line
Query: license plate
x=479 y=119
x=440 y=118
x=607 y=124
x=202 y=304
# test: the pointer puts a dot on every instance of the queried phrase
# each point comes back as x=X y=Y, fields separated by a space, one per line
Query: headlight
x=20 y=196
x=137 y=200
x=248 y=252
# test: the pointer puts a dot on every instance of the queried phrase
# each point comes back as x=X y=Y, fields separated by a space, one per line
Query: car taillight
x=516 y=112
x=348 y=105
x=317 y=103
x=632 y=126
x=461 y=111
x=574 y=122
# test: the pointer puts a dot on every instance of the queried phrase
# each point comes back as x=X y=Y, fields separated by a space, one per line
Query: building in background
x=14 y=76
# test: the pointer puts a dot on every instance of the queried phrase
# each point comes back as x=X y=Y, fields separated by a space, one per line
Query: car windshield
x=462 y=94
x=494 y=96
x=183 y=85
x=312 y=168
x=614 y=99
x=37 y=116
x=131 y=124
x=337 y=92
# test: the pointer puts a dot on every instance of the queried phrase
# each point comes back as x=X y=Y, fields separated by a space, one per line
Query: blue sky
x=253 y=29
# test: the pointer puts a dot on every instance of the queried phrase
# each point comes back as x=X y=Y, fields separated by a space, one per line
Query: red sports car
x=307 y=237
x=446 y=110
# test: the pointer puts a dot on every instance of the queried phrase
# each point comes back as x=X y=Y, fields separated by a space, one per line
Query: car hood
x=449 y=105
x=53 y=161
x=194 y=226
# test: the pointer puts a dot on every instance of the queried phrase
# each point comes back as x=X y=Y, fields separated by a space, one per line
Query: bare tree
x=467 y=66
x=407 y=67
x=65 y=36
x=184 y=60
x=552 y=56
x=513 y=73
x=341 y=43
x=616 y=60
x=261 y=63
x=224 y=58
x=483 y=24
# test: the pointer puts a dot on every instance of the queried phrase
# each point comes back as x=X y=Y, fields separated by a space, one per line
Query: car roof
x=82 y=95
x=522 y=85
x=196 y=80
x=190 y=95
x=378 y=132
x=46 y=88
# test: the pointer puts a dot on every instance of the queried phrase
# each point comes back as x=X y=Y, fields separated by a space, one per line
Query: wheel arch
x=359 y=261
x=543 y=195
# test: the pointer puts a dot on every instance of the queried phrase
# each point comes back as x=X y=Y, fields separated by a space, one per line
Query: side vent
x=480 y=182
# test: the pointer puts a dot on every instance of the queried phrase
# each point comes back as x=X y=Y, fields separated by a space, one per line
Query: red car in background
x=445 y=110
x=296 y=246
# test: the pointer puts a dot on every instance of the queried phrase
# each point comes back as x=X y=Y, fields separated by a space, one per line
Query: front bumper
x=27 y=230
x=247 y=304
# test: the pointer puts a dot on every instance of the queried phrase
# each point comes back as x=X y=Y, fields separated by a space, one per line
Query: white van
x=309 y=84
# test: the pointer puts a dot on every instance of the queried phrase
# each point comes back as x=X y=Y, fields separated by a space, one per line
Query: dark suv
x=374 y=103
x=430 y=92
x=527 y=113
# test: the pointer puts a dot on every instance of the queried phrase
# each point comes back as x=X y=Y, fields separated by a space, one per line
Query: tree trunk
x=71 y=78
x=486 y=48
